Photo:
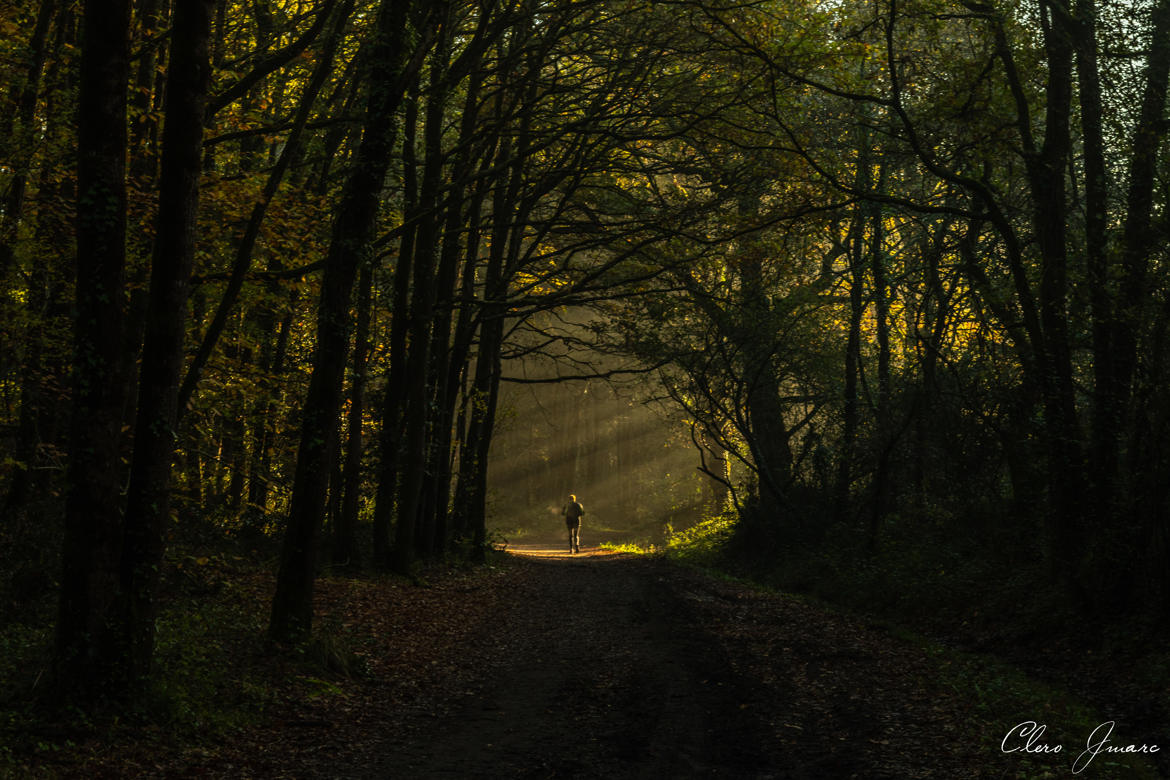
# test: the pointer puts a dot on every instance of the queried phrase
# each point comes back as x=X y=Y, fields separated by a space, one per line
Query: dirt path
x=616 y=666
x=604 y=665
x=606 y=677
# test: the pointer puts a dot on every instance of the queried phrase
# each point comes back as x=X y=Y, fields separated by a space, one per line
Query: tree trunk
x=768 y=433
x=148 y=498
x=488 y=388
x=850 y=410
x=471 y=490
x=390 y=440
x=506 y=223
x=465 y=330
x=1140 y=525
x=1106 y=420
x=411 y=499
x=1046 y=174
x=881 y=479
x=266 y=431
x=448 y=350
x=143 y=124
x=345 y=548
x=93 y=491
x=292 y=606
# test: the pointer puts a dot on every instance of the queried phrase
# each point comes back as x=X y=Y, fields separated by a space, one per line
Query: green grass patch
x=632 y=548
x=704 y=543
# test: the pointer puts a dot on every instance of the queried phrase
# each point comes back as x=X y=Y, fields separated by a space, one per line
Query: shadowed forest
x=305 y=301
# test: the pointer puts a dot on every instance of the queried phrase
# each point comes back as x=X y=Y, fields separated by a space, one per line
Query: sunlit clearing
x=553 y=552
x=631 y=467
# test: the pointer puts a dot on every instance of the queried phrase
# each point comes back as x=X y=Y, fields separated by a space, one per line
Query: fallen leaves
x=646 y=668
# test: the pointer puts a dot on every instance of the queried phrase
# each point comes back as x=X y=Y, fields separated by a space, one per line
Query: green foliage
x=201 y=686
x=209 y=672
x=931 y=584
x=930 y=568
x=703 y=544
x=632 y=548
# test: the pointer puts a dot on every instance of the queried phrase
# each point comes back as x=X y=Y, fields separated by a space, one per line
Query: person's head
x=572 y=497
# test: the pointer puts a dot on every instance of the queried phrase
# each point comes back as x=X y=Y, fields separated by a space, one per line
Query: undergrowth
x=215 y=674
x=631 y=548
x=972 y=612
x=701 y=544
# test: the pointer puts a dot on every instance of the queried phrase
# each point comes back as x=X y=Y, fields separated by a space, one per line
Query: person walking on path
x=573 y=512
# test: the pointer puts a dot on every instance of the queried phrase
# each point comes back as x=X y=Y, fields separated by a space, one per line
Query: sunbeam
x=634 y=469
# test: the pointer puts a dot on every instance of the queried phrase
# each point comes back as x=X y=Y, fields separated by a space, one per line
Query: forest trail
x=545 y=664
x=619 y=666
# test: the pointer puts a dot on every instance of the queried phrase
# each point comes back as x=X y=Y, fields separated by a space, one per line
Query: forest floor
x=601 y=665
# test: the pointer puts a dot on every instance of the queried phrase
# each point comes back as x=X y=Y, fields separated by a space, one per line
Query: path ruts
x=625 y=667
x=616 y=666
x=609 y=675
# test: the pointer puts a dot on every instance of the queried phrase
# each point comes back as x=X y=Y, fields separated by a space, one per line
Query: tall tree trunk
x=292 y=606
x=345 y=548
x=881 y=479
x=1106 y=418
x=465 y=330
x=1139 y=238
x=753 y=337
x=471 y=491
x=93 y=491
x=1140 y=526
x=850 y=410
x=390 y=440
x=148 y=498
x=487 y=389
x=448 y=351
x=1046 y=174
x=419 y=419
